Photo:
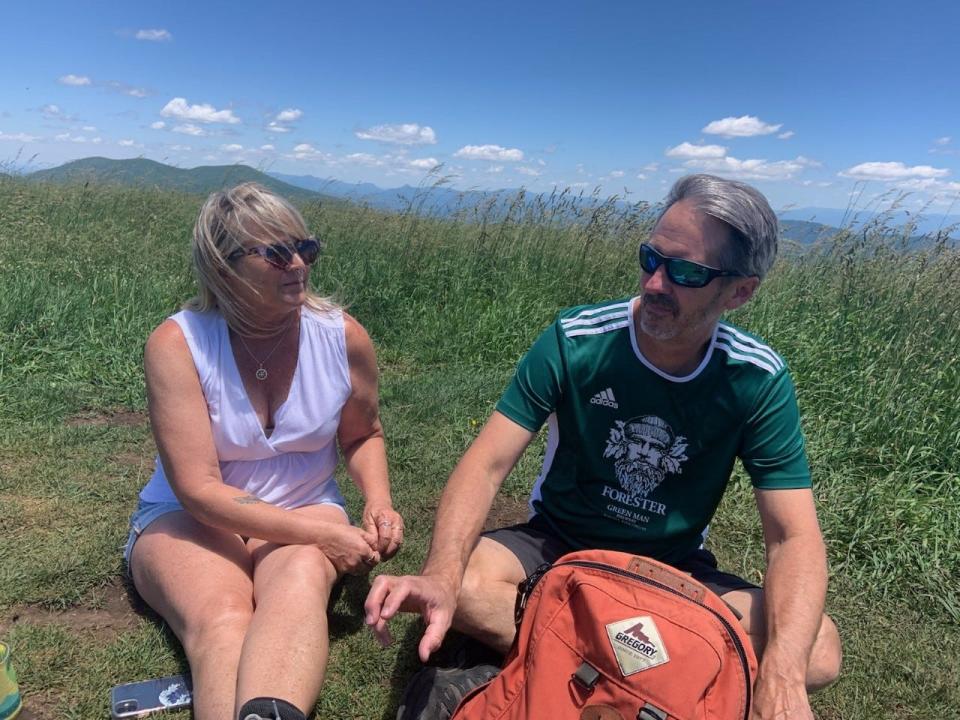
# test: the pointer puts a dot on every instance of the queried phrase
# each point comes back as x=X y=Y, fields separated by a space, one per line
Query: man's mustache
x=664 y=301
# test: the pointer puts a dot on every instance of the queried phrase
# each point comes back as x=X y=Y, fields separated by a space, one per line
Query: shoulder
x=167 y=351
x=168 y=336
x=359 y=345
x=742 y=349
x=595 y=319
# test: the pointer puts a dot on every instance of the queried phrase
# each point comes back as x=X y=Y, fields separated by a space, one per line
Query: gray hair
x=247 y=213
x=753 y=225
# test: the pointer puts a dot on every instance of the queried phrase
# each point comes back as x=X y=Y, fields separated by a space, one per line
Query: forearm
x=794 y=593
x=464 y=505
x=366 y=463
x=222 y=506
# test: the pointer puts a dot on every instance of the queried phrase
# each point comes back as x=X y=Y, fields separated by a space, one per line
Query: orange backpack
x=610 y=636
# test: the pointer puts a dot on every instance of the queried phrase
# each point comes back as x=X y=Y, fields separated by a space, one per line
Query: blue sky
x=809 y=101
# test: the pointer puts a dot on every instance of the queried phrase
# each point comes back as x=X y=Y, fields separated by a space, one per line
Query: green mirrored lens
x=688 y=273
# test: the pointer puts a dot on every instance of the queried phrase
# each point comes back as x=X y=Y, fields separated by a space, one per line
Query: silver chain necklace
x=261 y=373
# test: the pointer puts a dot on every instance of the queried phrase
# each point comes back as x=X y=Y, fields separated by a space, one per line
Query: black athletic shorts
x=535 y=544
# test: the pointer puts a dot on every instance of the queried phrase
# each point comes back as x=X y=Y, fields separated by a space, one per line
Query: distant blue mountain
x=928 y=223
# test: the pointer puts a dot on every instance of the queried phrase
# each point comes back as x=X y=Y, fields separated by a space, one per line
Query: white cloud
x=541 y=162
x=127 y=143
x=786 y=135
x=743 y=126
x=89 y=128
x=67 y=137
x=76 y=80
x=929 y=185
x=157 y=35
x=489 y=152
x=617 y=173
x=641 y=176
x=267 y=147
x=423 y=163
x=363 y=159
x=125 y=89
x=306 y=151
x=887 y=171
x=51 y=111
x=753 y=169
x=18 y=137
x=289 y=115
x=232 y=148
x=945 y=140
x=532 y=172
x=180 y=148
x=687 y=150
x=494 y=169
x=276 y=127
x=403 y=134
x=158 y=125
x=189 y=129
x=651 y=167
x=179 y=108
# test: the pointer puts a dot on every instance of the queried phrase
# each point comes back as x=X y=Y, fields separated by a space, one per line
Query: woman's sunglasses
x=685 y=273
x=280 y=255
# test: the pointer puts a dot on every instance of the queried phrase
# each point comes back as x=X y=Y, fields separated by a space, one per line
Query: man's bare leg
x=488 y=595
x=825 y=657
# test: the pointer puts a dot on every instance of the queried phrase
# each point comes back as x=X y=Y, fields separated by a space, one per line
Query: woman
x=241 y=532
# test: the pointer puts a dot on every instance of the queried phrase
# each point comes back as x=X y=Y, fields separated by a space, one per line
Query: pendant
x=261 y=373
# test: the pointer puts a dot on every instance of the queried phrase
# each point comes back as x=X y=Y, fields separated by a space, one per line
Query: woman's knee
x=300 y=566
x=222 y=620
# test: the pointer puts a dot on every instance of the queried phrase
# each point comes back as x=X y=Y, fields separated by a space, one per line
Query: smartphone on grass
x=137 y=699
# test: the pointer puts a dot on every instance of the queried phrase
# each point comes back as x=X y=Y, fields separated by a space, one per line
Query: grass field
x=871 y=335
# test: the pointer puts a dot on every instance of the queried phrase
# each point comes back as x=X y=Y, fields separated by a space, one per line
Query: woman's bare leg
x=285 y=651
x=199 y=579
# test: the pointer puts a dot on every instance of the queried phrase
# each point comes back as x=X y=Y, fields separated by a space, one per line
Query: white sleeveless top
x=295 y=465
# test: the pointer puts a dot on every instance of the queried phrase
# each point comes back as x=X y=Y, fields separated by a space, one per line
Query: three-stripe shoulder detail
x=739 y=346
x=594 y=321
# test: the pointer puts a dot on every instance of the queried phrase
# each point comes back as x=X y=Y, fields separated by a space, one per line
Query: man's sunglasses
x=280 y=255
x=685 y=273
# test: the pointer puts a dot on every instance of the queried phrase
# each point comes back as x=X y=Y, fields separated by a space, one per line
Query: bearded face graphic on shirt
x=644 y=450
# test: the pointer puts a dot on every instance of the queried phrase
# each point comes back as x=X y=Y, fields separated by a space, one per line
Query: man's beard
x=659 y=327
x=637 y=477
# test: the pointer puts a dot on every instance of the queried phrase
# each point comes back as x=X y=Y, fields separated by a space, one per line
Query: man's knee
x=491 y=562
x=825 y=655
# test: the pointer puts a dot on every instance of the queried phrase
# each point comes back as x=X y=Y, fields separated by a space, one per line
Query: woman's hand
x=385 y=524
x=352 y=550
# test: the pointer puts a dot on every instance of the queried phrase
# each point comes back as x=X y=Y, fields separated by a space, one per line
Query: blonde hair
x=228 y=221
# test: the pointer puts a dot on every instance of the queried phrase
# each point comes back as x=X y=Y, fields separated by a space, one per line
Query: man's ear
x=743 y=290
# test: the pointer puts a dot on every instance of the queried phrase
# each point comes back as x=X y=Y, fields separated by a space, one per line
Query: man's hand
x=434 y=598
x=778 y=699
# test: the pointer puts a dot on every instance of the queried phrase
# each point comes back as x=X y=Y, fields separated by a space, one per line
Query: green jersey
x=637 y=460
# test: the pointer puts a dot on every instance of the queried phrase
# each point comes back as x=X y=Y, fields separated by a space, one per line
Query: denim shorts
x=145 y=514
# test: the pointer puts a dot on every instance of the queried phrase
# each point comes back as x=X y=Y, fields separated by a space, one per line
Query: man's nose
x=657 y=281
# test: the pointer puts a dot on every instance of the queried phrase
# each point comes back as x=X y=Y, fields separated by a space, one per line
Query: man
x=649 y=401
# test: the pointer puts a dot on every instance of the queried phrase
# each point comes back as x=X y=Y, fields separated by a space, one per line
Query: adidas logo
x=605 y=398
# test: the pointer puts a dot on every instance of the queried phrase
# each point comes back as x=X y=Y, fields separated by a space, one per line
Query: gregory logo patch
x=637 y=644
